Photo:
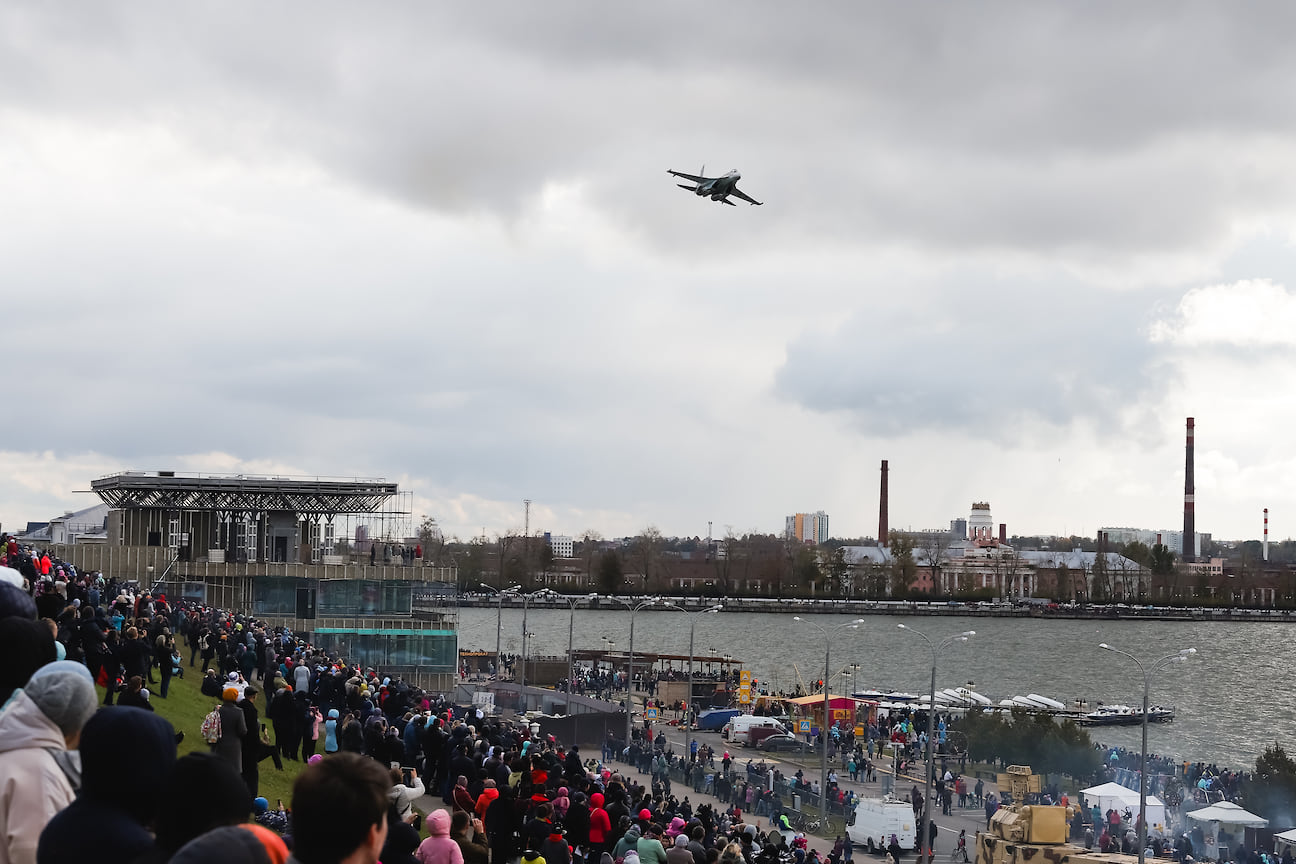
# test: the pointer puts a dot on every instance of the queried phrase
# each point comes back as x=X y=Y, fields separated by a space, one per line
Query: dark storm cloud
x=467 y=262
x=1007 y=125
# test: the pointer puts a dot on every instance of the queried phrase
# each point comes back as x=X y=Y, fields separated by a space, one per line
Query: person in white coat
x=40 y=728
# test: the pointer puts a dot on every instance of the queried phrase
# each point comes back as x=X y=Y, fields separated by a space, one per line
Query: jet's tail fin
x=702 y=173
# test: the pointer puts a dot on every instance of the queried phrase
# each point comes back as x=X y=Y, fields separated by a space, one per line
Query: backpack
x=211 y=727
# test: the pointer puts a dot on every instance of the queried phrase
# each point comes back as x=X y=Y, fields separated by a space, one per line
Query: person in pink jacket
x=438 y=848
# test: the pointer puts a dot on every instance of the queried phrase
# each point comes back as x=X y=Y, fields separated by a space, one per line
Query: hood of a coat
x=23 y=725
x=126 y=756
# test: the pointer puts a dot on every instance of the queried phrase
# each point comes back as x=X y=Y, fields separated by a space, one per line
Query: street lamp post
x=634 y=609
x=823 y=725
x=1177 y=657
x=526 y=599
x=499 y=620
x=688 y=704
x=924 y=826
x=571 y=629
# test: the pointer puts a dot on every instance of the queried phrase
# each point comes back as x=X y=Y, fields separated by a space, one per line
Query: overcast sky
x=1007 y=247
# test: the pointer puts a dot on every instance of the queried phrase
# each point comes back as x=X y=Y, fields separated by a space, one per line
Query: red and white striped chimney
x=1265 y=549
x=1190 y=516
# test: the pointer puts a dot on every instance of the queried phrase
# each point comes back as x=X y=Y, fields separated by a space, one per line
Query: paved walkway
x=970 y=819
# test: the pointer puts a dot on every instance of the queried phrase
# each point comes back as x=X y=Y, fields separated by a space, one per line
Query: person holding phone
x=404 y=794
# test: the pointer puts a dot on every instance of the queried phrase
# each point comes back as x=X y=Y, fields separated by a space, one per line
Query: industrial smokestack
x=1003 y=533
x=1265 y=549
x=882 y=508
x=1190 y=516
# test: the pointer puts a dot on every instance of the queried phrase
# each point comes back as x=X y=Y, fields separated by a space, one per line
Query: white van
x=737 y=728
x=876 y=819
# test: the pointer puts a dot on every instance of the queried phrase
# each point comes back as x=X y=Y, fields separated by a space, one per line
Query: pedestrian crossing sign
x=650 y=713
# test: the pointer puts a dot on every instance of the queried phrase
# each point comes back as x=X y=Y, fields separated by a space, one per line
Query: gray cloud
x=1000 y=360
x=441 y=240
x=949 y=127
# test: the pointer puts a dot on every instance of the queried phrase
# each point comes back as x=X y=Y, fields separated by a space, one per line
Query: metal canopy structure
x=134 y=490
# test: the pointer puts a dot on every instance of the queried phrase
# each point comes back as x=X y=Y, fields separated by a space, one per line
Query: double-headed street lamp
x=634 y=609
x=823 y=725
x=688 y=704
x=571 y=629
x=526 y=599
x=924 y=826
x=1177 y=657
x=499 y=619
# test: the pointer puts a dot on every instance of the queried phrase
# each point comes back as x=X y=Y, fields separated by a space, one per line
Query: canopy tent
x=1229 y=814
x=1113 y=796
x=1283 y=840
x=1223 y=826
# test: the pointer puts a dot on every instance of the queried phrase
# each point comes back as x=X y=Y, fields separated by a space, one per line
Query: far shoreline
x=918 y=608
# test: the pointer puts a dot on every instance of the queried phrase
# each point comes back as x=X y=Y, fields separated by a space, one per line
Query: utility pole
x=526 y=542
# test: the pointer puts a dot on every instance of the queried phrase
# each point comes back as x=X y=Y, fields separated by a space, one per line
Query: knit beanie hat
x=12 y=576
x=16 y=602
x=234 y=844
x=65 y=693
x=26 y=645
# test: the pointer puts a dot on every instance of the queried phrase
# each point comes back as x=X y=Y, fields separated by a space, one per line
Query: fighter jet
x=717 y=188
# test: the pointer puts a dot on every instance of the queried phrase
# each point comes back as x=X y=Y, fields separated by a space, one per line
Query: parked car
x=783 y=742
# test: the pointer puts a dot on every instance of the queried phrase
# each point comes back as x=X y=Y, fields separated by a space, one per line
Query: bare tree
x=934 y=546
x=591 y=541
x=644 y=552
x=431 y=539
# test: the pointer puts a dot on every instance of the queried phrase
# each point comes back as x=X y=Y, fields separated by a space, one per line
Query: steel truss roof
x=136 y=490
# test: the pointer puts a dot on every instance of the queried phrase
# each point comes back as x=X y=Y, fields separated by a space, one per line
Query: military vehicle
x=1023 y=833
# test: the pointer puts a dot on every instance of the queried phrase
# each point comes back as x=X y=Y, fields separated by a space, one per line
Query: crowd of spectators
x=83 y=779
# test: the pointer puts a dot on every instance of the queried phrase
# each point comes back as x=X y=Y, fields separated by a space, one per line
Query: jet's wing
x=744 y=196
x=727 y=201
x=693 y=177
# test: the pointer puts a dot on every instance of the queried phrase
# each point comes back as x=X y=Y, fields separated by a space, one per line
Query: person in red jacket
x=600 y=824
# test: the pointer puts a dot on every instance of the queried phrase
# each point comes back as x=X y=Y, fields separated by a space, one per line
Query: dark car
x=783 y=742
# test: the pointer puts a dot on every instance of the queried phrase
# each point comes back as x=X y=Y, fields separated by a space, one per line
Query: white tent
x=1224 y=824
x=1283 y=840
x=1113 y=796
x=1228 y=813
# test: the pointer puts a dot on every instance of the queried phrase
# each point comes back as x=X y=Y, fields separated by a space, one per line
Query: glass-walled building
x=399 y=626
x=337 y=560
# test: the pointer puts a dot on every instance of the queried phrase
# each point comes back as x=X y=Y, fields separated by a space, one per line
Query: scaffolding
x=251 y=518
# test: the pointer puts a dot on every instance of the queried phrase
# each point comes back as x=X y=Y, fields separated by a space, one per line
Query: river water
x=1233 y=698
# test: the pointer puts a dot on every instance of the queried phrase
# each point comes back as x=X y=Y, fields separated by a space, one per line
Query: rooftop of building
x=242 y=492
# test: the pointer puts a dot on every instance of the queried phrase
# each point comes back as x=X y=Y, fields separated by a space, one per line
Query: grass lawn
x=186 y=707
